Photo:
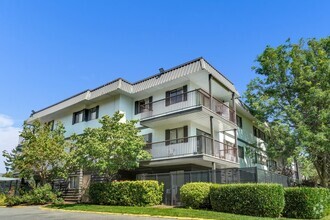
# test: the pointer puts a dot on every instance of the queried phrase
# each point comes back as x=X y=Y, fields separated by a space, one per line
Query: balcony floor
x=198 y=159
x=199 y=114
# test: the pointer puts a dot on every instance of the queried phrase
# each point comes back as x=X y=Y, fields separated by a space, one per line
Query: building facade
x=190 y=116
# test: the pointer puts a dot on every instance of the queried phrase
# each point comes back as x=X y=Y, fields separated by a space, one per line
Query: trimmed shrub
x=196 y=195
x=127 y=193
x=265 y=200
x=306 y=202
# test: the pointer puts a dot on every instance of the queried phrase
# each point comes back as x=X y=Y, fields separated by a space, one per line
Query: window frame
x=90 y=111
x=239 y=121
x=241 y=152
x=86 y=115
x=51 y=125
x=148 y=140
x=259 y=134
x=255 y=131
x=76 y=116
x=272 y=164
x=147 y=103
x=260 y=159
x=180 y=95
x=177 y=140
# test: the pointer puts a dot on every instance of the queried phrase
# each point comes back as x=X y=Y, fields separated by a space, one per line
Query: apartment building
x=190 y=116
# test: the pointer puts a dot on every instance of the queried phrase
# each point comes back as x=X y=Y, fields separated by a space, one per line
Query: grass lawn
x=158 y=211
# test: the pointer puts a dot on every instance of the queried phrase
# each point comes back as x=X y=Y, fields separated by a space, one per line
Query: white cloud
x=5 y=121
x=8 y=137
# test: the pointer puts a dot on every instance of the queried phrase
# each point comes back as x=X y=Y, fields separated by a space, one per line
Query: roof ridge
x=135 y=83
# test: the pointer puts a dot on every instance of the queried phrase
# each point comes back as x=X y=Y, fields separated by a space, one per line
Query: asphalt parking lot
x=38 y=213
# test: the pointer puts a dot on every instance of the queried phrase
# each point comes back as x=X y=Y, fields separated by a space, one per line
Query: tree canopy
x=43 y=153
x=292 y=94
x=112 y=147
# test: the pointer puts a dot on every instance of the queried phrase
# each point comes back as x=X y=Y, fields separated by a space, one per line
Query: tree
x=112 y=147
x=43 y=153
x=292 y=94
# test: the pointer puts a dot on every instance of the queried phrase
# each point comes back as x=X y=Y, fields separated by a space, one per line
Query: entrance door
x=74 y=182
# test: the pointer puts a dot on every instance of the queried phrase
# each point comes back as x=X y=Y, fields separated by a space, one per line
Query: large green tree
x=292 y=94
x=43 y=154
x=114 y=146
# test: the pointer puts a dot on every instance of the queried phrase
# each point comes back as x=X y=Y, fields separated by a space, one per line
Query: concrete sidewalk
x=37 y=213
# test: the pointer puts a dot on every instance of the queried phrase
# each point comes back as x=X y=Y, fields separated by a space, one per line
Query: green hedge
x=196 y=195
x=265 y=200
x=127 y=193
x=306 y=202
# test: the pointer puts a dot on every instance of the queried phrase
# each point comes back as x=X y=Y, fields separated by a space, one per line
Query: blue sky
x=50 y=50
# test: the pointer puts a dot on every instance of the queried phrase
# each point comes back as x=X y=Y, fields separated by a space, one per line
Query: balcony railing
x=186 y=101
x=193 y=146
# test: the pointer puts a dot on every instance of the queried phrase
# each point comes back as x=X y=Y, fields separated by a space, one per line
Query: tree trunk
x=322 y=171
x=325 y=182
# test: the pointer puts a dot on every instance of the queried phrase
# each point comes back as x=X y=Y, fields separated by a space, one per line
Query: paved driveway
x=36 y=213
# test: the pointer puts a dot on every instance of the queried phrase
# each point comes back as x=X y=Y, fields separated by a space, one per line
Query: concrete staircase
x=71 y=195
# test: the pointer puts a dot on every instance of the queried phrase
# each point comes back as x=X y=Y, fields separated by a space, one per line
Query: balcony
x=193 y=146
x=188 y=101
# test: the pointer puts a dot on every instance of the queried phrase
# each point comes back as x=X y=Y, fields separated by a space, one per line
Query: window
x=272 y=164
x=92 y=113
x=85 y=115
x=176 y=96
x=261 y=135
x=78 y=117
x=51 y=125
x=255 y=131
x=143 y=105
x=148 y=140
x=260 y=159
x=176 y=135
x=258 y=133
x=241 y=153
x=239 y=121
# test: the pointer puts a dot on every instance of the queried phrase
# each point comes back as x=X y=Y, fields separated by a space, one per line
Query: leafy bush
x=196 y=195
x=306 y=202
x=2 y=199
x=265 y=200
x=127 y=193
x=13 y=200
x=38 y=196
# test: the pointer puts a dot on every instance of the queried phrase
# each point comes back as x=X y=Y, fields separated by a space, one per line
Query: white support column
x=214 y=169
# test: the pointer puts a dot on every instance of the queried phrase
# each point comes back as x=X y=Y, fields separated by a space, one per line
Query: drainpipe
x=212 y=136
x=234 y=119
x=236 y=144
x=213 y=151
x=234 y=106
x=210 y=90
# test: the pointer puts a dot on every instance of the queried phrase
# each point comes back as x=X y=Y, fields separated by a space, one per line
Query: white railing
x=226 y=151
x=184 y=102
x=192 y=146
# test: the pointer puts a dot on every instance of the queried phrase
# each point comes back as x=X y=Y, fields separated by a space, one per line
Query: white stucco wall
x=246 y=134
